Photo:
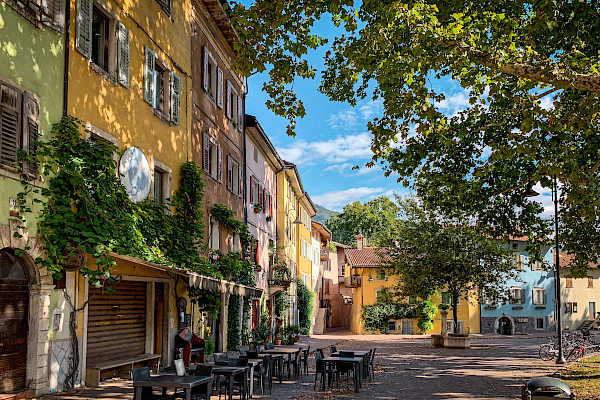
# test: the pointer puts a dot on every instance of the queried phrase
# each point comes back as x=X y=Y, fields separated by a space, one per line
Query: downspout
x=244 y=175
x=66 y=66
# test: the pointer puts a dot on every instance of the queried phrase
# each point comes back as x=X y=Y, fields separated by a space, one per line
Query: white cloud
x=371 y=109
x=454 y=103
x=346 y=169
x=343 y=149
x=337 y=199
x=546 y=103
x=343 y=119
x=545 y=199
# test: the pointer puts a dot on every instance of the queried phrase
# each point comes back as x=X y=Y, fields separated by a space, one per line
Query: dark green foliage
x=206 y=300
x=261 y=333
x=426 y=311
x=281 y=304
x=233 y=323
x=305 y=305
x=377 y=316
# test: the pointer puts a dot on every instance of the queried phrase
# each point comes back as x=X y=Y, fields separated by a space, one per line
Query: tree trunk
x=455 y=311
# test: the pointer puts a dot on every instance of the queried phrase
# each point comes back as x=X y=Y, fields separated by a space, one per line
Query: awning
x=197 y=280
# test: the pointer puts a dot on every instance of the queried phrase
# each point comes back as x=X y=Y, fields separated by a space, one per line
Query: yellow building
x=580 y=297
x=371 y=283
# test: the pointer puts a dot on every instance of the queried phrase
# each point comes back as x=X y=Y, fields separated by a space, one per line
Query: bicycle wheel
x=547 y=352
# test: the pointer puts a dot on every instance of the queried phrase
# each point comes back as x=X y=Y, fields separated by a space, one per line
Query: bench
x=122 y=367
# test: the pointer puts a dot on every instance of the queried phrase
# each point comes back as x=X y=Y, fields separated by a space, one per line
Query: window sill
x=100 y=71
x=12 y=173
x=211 y=98
x=160 y=115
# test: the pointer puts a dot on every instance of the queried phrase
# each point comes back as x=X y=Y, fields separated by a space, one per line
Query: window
x=214 y=236
x=569 y=282
x=407 y=327
x=539 y=296
x=158 y=196
x=450 y=326
x=380 y=275
x=102 y=39
x=255 y=155
x=212 y=81
x=515 y=246
x=212 y=155
x=446 y=298
x=539 y=323
x=161 y=181
x=571 y=308
x=519 y=260
x=234 y=107
x=234 y=176
x=516 y=295
x=412 y=299
x=254 y=191
x=165 y=5
x=235 y=242
x=327 y=287
x=590 y=281
x=392 y=326
x=19 y=125
x=162 y=89
x=47 y=12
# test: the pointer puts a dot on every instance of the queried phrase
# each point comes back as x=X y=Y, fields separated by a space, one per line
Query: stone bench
x=122 y=367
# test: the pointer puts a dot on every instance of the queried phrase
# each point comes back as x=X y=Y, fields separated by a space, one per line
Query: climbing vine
x=426 y=311
x=306 y=300
x=377 y=316
x=233 y=323
x=227 y=217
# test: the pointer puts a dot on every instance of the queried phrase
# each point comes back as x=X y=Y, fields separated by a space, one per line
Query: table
x=229 y=373
x=187 y=382
x=252 y=363
x=358 y=368
x=289 y=351
x=357 y=353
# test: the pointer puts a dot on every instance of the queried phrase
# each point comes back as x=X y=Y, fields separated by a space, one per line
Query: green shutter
x=175 y=98
x=83 y=38
x=123 y=53
x=149 y=76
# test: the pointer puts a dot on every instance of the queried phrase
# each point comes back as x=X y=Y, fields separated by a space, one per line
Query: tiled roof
x=367 y=257
x=567 y=259
x=343 y=246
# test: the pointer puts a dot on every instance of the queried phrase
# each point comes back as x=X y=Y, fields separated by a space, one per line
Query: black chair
x=372 y=362
x=252 y=354
x=199 y=392
x=305 y=354
x=238 y=380
x=264 y=372
x=221 y=358
x=143 y=374
x=346 y=368
x=296 y=363
x=319 y=367
x=365 y=365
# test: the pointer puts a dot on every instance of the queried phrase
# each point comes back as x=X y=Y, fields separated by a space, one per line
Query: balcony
x=355 y=281
x=341 y=279
x=279 y=279
x=324 y=253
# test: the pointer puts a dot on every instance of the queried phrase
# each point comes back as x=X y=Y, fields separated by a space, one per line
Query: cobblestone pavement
x=406 y=367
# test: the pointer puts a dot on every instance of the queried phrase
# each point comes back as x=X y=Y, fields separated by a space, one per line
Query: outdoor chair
x=332 y=349
x=320 y=369
x=372 y=362
x=270 y=346
x=260 y=349
x=296 y=363
x=366 y=361
x=264 y=373
x=221 y=358
x=198 y=392
x=143 y=374
x=238 y=380
x=305 y=354
x=346 y=368
x=243 y=350
x=252 y=354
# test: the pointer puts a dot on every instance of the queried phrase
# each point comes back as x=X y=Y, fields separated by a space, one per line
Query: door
x=159 y=310
x=592 y=310
x=14 y=314
x=504 y=326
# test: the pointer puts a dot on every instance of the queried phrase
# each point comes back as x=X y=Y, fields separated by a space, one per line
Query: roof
x=566 y=260
x=367 y=257
x=318 y=226
x=221 y=17
x=342 y=245
x=288 y=166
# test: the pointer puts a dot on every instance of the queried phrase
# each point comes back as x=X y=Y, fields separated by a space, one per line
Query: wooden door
x=14 y=313
x=159 y=309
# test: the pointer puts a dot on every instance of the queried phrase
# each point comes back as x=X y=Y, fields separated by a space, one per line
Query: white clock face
x=134 y=172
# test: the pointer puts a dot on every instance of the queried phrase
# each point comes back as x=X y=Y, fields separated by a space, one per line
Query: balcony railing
x=279 y=277
x=355 y=281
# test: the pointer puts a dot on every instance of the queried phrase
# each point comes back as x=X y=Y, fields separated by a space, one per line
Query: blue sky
x=332 y=137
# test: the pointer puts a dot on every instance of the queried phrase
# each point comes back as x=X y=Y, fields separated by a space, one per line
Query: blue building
x=532 y=307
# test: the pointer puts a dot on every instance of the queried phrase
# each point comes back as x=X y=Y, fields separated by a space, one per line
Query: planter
x=437 y=340
x=457 y=341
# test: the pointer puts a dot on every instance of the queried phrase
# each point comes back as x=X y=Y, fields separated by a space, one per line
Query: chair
x=320 y=368
x=243 y=350
x=305 y=354
x=332 y=349
x=365 y=365
x=260 y=349
x=372 y=363
x=252 y=354
x=346 y=368
x=262 y=373
x=143 y=374
x=221 y=358
x=270 y=346
x=238 y=381
x=201 y=370
x=296 y=364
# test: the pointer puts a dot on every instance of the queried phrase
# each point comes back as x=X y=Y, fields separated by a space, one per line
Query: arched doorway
x=14 y=315
x=504 y=326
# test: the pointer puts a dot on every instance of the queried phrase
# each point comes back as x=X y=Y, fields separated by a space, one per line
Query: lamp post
x=560 y=359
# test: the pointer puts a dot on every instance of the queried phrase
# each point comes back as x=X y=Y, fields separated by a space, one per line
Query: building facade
x=580 y=297
x=32 y=57
x=532 y=306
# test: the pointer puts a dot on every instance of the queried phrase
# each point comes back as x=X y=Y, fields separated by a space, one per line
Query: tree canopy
x=530 y=71
x=377 y=220
x=433 y=253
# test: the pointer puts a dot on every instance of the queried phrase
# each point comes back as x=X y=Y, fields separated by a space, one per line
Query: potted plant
x=257 y=207
x=278 y=334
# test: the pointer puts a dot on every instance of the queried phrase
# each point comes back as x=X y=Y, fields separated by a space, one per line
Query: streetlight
x=532 y=193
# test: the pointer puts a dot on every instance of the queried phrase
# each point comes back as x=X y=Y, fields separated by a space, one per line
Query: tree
x=377 y=220
x=530 y=72
x=434 y=253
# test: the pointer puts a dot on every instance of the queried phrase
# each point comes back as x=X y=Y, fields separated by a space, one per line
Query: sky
x=332 y=138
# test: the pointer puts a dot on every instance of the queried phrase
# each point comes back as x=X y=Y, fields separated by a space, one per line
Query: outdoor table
x=279 y=359
x=358 y=368
x=187 y=382
x=229 y=373
x=252 y=363
x=289 y=351
x=357 y=353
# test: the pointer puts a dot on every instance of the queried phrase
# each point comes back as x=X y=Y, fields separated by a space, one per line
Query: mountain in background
x=323 y=214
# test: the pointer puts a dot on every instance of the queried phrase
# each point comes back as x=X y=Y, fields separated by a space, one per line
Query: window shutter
x=123 y=53
x=240 y=114
x=149 y=76
x=175 y=98
x=251 y=191
x=219 y=164
x=83 y=38
x=229 y=173
x=205 y=77
x=206 y=152
x=257 y=251
x=31 y=132
x=55 y=13
x=271 y=206
x=219 y=87
x=522 y=296
x=228 y=100
x=240 y=182
x=544 y=296
x=10 y=123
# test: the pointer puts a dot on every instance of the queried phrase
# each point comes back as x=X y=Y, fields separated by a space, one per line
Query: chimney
x=360 y=240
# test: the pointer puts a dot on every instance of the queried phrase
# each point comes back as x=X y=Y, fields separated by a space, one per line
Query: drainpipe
x=66 y=66
x=244 y=152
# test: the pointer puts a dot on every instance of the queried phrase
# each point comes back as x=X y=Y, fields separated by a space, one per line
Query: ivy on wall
x=233 y=323
x=377 y=316
x=306 y=300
